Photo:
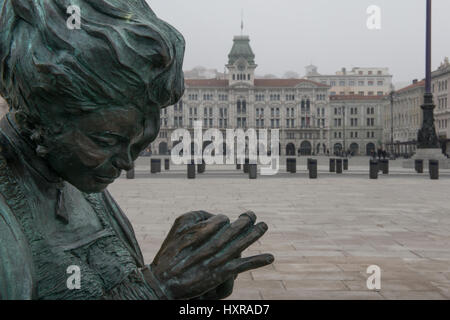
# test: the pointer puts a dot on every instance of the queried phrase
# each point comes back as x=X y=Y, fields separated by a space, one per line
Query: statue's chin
x=92 y=187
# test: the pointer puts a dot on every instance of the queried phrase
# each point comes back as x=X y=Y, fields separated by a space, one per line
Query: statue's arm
x=16 y=276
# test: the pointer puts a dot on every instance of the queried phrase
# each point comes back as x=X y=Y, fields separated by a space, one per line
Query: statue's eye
x=105 y=141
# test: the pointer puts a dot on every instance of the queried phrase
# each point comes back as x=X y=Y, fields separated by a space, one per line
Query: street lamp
x=391 y=95
x=427 y=138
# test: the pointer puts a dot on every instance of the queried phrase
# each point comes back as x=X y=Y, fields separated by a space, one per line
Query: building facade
x=300 y=108
x=441 y=94
x=403 y=119
x=356 y=123
x=358 y=81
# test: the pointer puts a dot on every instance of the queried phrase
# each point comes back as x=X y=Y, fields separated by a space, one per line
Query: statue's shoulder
x=15 y=253
x=16 y=269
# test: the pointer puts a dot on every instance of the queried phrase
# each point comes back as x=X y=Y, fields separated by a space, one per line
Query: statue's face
x=93 y=149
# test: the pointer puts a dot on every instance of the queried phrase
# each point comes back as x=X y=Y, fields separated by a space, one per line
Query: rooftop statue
x=83 y=103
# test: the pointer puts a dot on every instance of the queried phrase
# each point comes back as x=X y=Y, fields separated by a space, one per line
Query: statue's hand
x=202 y=255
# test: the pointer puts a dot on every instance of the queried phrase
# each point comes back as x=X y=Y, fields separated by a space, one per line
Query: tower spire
x=242 y=22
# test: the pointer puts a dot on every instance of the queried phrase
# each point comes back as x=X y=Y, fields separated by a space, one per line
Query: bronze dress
x=47 y=225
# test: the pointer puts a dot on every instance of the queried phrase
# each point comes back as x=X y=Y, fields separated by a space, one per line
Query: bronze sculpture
x=83 y=104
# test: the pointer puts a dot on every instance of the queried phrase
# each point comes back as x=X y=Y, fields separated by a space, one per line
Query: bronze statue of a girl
x=83 y=103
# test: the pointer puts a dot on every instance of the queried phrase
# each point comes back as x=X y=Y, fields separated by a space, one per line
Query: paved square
x=323 y=233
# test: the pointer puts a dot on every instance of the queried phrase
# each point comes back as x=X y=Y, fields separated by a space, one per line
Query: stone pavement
x=323 y=233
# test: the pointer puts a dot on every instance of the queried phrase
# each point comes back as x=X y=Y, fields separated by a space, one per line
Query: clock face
x=241 y=67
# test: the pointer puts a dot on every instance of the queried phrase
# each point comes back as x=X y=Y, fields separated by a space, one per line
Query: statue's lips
x=105 y=180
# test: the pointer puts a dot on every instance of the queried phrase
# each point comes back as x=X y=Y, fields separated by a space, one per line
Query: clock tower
x=241 y=62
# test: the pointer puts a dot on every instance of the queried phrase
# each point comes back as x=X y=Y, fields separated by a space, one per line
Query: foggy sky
x=290 y=34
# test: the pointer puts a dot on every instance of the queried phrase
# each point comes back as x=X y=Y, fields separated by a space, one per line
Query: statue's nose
x=123 y=164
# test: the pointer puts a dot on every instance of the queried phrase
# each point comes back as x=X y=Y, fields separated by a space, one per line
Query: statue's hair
x=123 y=55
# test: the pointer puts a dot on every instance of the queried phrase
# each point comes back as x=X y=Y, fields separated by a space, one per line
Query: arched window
x=248 y=77
x=239 y=106
x=244 y=106
x=303 y=106
x=308 y=105
x=234 y=77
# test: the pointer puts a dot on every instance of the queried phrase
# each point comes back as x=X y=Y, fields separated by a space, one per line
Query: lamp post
x=427 y=138
x=391 y=95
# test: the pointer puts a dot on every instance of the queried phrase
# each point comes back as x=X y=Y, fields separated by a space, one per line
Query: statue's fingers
x=187 y=220
x=245 y=264
x=237 y=228
x=235 y=247
x=195 y=238
x=197 y=234
x=229 y=233
x=191 y=218
x=181 y=224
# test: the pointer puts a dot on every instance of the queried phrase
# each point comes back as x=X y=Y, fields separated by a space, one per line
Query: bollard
x=247 y=161
x=291 y=165
x=332 y=165
x=252 y=171
x=191 y=170
x=313 y=169
x=345 y=164
x=130 y=174
x=433 y=166
x=419 y=165
x=385 y=166
x=201 y=167
x=167 y=164
x=373 y=169
x=155 y=165
x=338 y=166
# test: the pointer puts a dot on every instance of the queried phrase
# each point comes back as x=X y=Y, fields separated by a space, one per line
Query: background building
x=358 y=81
x=441 y=94
x=407 y=113
x=407 y=118
x=298 y=107
x=356 y=123
x=309 y=123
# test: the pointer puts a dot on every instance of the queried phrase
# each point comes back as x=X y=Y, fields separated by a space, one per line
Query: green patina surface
x=83 y=104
